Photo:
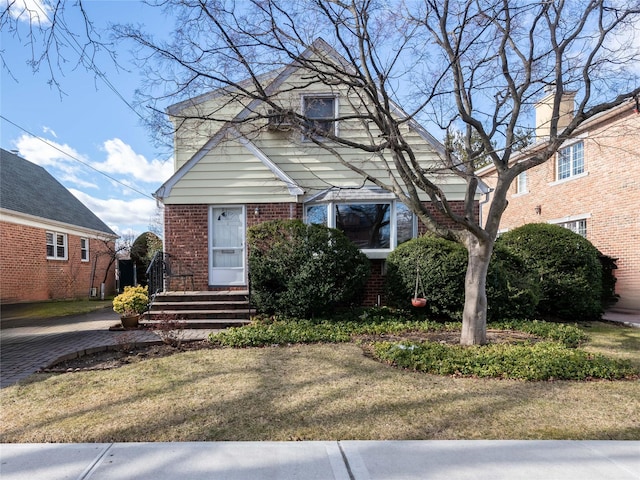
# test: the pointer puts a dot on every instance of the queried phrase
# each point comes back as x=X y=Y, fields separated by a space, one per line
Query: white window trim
x=568 y=144
x=526 y=190
x=55 y=245
x=372 y=253
x=572 y=218
x=86 y=240
x=336 y=109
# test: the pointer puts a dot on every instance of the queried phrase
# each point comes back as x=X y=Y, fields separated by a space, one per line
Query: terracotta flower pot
x=419 y=302
x=129 y=321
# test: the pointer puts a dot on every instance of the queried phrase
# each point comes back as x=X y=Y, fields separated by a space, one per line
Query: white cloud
x=50 y=131
x=120 y=215
x=38 y=12
x=46 y=153
x=121 y=159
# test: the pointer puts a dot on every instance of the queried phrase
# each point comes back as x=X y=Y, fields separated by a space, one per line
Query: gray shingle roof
x=28 y=188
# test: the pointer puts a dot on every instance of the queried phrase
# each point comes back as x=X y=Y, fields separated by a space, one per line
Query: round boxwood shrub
x=303 y=270
x=567 y=265
x=442 y=265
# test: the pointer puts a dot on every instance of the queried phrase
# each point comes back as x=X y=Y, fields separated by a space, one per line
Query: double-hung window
x=56 y=246
x=84 y=249
x=570 y=161
x=320 y=111
x=376 y=228
x=521 y=183
x=576 y=226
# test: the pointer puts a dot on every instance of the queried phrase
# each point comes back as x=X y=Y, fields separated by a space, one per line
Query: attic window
x=320 y=112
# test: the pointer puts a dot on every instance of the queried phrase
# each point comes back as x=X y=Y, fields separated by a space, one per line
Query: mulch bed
x=120 y=356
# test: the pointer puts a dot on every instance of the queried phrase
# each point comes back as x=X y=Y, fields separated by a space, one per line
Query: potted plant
x=130 y=304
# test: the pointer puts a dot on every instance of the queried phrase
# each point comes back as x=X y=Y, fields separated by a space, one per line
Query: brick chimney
x=544 y=111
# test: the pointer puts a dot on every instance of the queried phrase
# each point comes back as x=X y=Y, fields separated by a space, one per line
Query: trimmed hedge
x=511 y=292
x=567 y=265
x=303 y=270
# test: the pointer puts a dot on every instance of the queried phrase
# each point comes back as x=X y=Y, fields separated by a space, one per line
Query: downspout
x=484 y=202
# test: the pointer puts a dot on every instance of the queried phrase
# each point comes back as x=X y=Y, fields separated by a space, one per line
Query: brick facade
x=607 y=196
x=186 y=238
x=28 y=276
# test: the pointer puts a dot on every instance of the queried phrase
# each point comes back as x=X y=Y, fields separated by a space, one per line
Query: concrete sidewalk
x=344 y=460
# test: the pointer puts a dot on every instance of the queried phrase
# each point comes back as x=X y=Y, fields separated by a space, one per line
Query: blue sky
x=89 y=121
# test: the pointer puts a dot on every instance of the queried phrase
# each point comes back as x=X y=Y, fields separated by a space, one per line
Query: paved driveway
x=29 y=345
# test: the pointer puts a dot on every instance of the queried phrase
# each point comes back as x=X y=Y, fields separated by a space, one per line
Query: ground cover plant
x=316 y=391
x=551 y=352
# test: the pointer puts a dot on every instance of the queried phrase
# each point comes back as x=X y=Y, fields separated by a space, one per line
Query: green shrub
x=609 y=296
x=441 y=265
x=132 y=301
x=303 y=270
x=540 y=361
x=567 y=266
x=511 y=292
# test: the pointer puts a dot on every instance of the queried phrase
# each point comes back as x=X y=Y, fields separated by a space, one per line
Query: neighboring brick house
x=591 y=186
x=230 y=176
x=53 y=246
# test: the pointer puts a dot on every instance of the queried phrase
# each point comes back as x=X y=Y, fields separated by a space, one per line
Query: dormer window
x=320 y=111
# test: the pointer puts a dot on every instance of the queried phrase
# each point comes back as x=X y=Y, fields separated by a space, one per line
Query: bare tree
x=55 y=47
x=477 y=65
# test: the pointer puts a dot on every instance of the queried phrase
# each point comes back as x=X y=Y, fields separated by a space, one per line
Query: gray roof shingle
x=28 y=188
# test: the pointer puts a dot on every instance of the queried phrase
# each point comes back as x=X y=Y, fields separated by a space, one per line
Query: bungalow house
x=55 y=247
x=592 y=187
x=231 y=175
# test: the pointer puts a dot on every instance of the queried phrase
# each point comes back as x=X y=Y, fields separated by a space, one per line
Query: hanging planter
x=417 y=301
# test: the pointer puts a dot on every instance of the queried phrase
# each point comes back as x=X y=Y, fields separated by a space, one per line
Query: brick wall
x=28 y=276
x=609 y=195
x=186 y=237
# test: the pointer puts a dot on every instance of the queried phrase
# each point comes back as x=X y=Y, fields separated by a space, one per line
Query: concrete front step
x=215 y=296
x=215 y=309
x=183 y=314
x=200 y=323
x=200 y=305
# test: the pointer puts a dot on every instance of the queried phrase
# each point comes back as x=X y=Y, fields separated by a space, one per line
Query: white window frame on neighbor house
x=306 y=99
x=326 y=213
x=575 y=223
x=573 y=165
x=84 y=249
x=521 y=184
x=57 y=245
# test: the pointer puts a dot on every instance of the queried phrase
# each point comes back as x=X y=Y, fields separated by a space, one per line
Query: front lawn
x=317 y=391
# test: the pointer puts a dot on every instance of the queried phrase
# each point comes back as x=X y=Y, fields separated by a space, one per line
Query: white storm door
x=227 y=246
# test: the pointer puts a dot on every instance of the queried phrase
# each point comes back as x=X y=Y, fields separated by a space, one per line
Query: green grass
x=51 y=309
x=616 y=341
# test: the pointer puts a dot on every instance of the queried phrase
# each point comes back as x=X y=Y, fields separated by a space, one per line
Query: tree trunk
x=474 y=316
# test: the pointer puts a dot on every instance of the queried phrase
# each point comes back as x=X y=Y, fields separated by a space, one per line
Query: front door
x=227 y=246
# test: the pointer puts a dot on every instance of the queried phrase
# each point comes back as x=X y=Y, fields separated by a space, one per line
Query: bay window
x=375 y=227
